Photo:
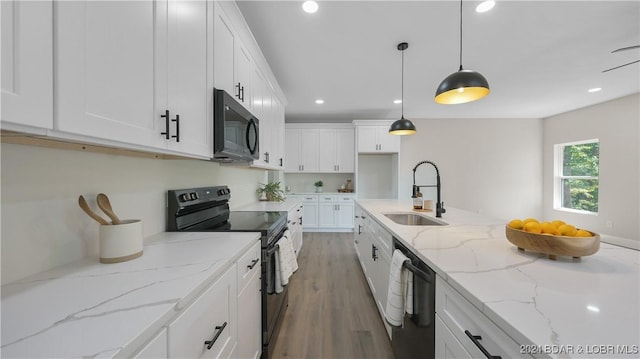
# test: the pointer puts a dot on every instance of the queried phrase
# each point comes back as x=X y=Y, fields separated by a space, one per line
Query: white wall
x=42 y=225
x=377 y=176
x=617 y=125
x=488 y=166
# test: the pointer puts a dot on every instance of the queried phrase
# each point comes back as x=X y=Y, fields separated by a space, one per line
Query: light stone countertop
x=588 y=302
x=89 y=309
x=285 y=206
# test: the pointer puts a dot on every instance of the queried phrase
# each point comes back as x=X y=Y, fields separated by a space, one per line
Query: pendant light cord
x=402 y=90
x=460 y=35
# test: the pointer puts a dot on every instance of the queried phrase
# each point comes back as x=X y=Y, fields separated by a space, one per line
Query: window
x=576 y=185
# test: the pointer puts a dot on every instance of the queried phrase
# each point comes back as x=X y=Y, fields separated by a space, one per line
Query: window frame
x=558 y=176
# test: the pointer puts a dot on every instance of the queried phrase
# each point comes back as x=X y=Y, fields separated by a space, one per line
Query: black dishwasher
x=416 y=339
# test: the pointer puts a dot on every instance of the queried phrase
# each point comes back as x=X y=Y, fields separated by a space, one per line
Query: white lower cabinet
x=207 y=328
x=294 y=222
x=310 y=211
x=335 y=212
x=156 y=348
x=375 y=258
x=249 y=305
x=463 y=321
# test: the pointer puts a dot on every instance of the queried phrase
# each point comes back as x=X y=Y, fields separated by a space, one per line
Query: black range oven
x=207 y=209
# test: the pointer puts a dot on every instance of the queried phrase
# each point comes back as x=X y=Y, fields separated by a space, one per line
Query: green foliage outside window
x=580 y=176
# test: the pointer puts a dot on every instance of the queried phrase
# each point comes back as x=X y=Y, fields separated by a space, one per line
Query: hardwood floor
x=331 y=311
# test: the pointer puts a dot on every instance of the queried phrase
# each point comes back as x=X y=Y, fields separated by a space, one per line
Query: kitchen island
x=588 y=307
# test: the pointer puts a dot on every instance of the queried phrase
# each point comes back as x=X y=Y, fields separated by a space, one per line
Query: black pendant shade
x=461 y=87
x=402 y=126
x=464 y=85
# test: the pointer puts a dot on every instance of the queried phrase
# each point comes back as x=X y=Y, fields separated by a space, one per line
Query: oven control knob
x=184 y=197
x=194 y=195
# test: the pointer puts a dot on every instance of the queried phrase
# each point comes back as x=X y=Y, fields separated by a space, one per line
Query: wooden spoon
x=85 y=207
x=105 y=206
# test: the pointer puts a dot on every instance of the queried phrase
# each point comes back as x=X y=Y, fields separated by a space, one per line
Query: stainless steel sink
x=413 y=219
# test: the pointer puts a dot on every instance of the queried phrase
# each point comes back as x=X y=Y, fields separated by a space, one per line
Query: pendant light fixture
x=464 y=85
x=402 y=126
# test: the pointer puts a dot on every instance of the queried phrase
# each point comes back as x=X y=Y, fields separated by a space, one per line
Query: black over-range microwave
x=235 y=136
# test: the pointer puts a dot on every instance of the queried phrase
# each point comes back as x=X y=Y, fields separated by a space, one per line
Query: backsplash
x=303 y=182
x=42 y=225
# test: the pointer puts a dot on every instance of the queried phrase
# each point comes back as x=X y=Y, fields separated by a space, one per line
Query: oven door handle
x=272 y=250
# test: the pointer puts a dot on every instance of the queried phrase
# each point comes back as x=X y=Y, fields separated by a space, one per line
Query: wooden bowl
x=553 y=246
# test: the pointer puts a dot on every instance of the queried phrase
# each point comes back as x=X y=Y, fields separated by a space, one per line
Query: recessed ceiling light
x=485 y=6
x=595 y=89
x=319 y=101
x=397 y=101
x=310 y=6
x=593 y=308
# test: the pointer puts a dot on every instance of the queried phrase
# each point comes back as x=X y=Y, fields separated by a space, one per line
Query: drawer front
x=198 y=322
x=447 y=346
x=326 y=198
x=310 y=198
x=345 y=199
x=459 y=315
x=248 y=264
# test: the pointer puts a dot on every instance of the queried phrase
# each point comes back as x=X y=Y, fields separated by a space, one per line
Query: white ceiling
x=540 y=57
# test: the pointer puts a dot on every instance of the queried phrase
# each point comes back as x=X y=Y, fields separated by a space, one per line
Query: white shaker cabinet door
x=367 y=139
x=327 y=151
x=309 y=147
x=223 y=39
x=292 y=161
x=27 y=63
x=386 y=142
x=104 y=66
x=189 y=86
x=346 y=151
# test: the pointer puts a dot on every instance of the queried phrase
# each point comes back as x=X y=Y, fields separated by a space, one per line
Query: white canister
x=121 y=242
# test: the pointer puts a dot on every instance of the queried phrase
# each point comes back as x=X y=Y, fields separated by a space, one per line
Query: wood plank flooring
x=331 y=312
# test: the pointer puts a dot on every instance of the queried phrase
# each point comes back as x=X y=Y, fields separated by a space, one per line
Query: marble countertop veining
x=581 y=303
x=89 y=309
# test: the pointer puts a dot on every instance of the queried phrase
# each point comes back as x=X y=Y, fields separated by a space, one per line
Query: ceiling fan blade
x=625 y=48
x=617 y=67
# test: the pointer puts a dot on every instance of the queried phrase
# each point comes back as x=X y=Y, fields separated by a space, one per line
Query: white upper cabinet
x=188 y=86
x=376 y=139
x=105 y=81
x=150 y=89
x=27 y=64
x=232 y=61
x=332 y=151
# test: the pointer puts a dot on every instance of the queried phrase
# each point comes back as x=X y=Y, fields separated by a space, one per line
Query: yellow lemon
x=567 y=230
x=530 y=220
x=516 y=223
x=548 y=228
x=557 y=223
x=583 y=233
x=533 y=227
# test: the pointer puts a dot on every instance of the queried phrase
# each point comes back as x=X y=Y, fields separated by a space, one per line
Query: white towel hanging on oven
x=400 y=292
x=286 y=262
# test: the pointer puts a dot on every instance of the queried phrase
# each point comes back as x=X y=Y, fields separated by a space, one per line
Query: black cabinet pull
x=476 y=340
x=238 y=94
x=281 y=162
x=374 y=252
x=177 y=121
x=242 y=93
x=219 y=329
x=359 y=229
x=300 y=220
x=253 y=263
x=166 y=125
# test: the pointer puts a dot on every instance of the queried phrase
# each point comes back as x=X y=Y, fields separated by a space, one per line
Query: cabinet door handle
x=238 y=94
x=300 y=220
x=166 y=124
x=219 y=329
x=242 y=94
x=281 y=162
x=359 y=229
x=177 y=121
x=476 y=340
x=253 y=263
x=374 y=251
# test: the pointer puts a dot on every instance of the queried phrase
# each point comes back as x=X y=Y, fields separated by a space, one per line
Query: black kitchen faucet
x=439 y=204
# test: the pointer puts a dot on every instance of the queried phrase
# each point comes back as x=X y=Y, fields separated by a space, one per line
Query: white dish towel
x=400 y=294
x=286 y=261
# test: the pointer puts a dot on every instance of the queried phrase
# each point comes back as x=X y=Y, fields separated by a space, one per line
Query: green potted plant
x=271 y=191
x=319 y=185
